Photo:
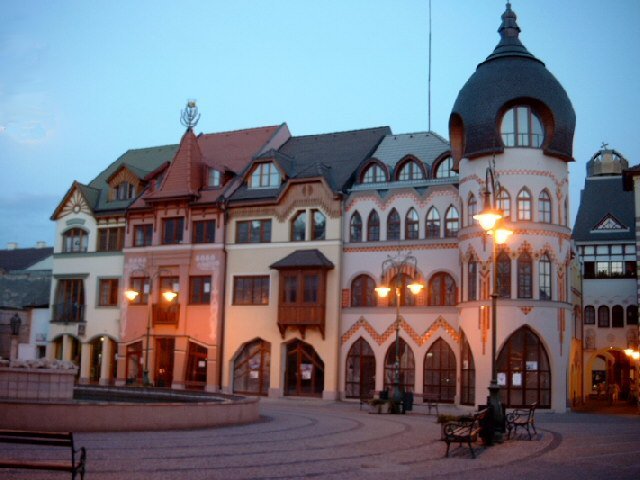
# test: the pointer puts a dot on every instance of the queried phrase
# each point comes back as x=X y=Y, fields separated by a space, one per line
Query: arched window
x=524 y=364
x=75 y=240
x=406 y=367
x=521 y=127
x=355 y=228
x=373 y=227
x=374 y=174
x=432 y=224
x=525 y=276
x=617 y=316
x=472 y=280
x=410 y=171
x=603 y=316
x=589 y=315
x=318 y=225
x=360 y=378
x=472 y=209
x=632 y=315
x=544 y=277
x=407 y=299
x=442 y=290
x=440 y=372
x=265 y=175
x=451 y=222
x=524 y=205
x=299 y=226
x=125 y=191
x=444 y=169
x=411 y=220
x=362 y=291
x=544 y=207
x=251 y=368
x=503 y=275
x=504 y=203
x=393 y=225
x=467 y=373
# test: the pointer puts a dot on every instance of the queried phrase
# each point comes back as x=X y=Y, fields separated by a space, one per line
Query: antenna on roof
x=429 y=88
x=189 y=116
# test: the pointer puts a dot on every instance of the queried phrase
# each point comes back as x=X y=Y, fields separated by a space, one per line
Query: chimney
x=12 y=246
x=41 y=244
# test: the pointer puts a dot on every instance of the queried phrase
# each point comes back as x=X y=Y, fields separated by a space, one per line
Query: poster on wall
x=532 y=365
x=306 y=369
x=516 y=379
x=502 y=379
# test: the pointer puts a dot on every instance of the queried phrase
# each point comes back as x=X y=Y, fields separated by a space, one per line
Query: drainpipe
x=223 y=308
x=341 y=268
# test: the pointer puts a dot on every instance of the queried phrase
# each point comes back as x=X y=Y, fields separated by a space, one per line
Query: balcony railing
x=166 y=314
x=67 y=313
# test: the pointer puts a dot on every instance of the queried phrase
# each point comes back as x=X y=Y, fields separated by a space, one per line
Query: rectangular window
x=602 y=269
x=172 y=230
x=142 y=235
x=253 y=231
x=110 y=239
x=589 y=250
x=142 y=287
x=602 y=250
x=252 y=290
x=616 y=249
x=617 y=269
x=204 y=231
x=199 y=290
x=108 y=292
x=311 y=286
x=290 y=290
x=213 y=178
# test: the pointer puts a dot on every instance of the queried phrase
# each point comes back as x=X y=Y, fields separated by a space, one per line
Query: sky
x=82 y=82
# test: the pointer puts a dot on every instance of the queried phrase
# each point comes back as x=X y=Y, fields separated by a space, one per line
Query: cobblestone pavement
x=333 y=440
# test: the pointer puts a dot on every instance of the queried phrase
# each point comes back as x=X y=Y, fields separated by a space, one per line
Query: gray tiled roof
x=600 y=197
x=25 y=289
x=22 y=258
x=304 y=259
x=425 y=146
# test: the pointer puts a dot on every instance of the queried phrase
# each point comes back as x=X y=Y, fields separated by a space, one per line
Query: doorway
x=304 y=374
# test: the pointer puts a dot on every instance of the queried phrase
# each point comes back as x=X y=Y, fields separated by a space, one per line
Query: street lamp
x=399 y=264
x=635 y=355
x=132 y=294
x=490 y=219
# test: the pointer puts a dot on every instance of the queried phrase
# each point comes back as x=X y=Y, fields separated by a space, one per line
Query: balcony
x=166 y=314
x=301 y=317
x=67 y=313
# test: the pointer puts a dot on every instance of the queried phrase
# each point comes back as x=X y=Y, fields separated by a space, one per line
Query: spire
x=510 y=44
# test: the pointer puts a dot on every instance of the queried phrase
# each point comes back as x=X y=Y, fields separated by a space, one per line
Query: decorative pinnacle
x=189 y=116
x=509 y=27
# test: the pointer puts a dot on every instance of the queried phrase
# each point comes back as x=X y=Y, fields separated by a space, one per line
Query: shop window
x=360 y=372
x=440 y=372
x=406 y=367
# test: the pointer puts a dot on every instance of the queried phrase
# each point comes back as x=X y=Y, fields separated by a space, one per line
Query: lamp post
x=635 y=355
x=399 y=264
x=131 y=294
x=490 y=219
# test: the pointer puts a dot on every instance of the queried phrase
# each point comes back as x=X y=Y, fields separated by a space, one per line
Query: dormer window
x=410 y=171
x=265 y=175
x=125 y=191
x=374 y=174
x=213 y=177
x=444 y=169
x=521 y=127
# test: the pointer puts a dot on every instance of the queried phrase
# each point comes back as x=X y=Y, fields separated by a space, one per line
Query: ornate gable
x=609 y=223
x=74 y=202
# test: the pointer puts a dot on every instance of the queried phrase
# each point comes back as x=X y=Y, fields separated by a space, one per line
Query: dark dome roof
x=510 y=76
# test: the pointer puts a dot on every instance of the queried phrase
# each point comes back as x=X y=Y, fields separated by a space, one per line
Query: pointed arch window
x=440 y=372
x=374 y=174
x=525 y=276
x=467 y=373
x=373 y=227
x=355 y=228
x=524 y=205
x=393 y=225
x=362 y=291
x=521 y=127
x=525 y=364
x=472 y=209
x=410 y=171
x=504 y=203
x=411 y=228
x=432 y=224
x=407 y=367
x=444 y=169
x=503 y=275
x=544 y=277
x=442 y=290
x=451 y=222
x=251 y=368
x=544 y=207
x=472 y=277
x=361 y=371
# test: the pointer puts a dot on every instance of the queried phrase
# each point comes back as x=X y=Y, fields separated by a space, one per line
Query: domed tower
x=511 y=131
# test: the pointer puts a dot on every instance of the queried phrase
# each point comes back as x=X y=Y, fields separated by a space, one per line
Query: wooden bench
x=521 y=418
x=464 y=431
x=74 y=464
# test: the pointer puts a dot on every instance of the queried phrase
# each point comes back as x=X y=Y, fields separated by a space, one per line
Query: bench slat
x=38 y=465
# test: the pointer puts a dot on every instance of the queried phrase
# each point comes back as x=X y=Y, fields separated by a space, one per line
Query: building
x=605 y=239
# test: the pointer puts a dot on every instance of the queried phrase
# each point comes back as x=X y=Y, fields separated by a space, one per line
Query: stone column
x=85 y=362
x=105 y=364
